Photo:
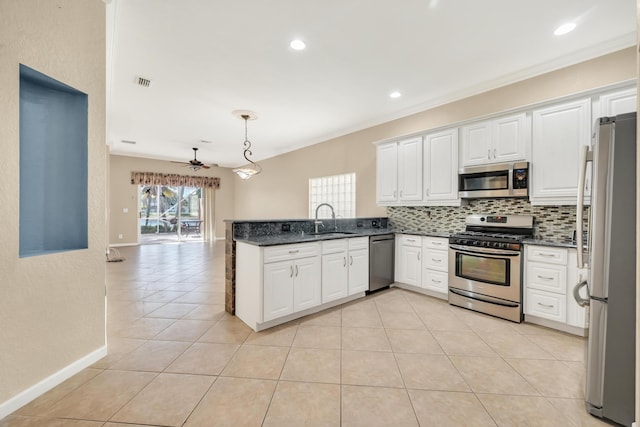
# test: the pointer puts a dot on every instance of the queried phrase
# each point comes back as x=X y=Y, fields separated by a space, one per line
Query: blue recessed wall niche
x=53 y=165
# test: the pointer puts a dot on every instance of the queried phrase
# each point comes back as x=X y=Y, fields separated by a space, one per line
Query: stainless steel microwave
x=498 y=180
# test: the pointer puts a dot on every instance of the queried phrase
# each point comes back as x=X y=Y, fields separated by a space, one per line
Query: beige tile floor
x=395 y=358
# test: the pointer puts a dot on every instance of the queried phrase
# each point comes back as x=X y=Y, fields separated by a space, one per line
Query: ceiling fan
x=194 y=164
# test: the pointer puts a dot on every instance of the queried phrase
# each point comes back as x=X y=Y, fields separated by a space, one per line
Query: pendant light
x=246 y=172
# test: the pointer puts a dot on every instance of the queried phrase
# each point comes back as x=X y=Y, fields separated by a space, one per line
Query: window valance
x=154 y=178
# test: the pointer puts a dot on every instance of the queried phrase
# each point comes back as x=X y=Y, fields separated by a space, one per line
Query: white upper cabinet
x=399 y=172
x=441 y=168
x=559 y=133
x=410 y=169
x=618 y=102
x=387 y=173
x=495 y=141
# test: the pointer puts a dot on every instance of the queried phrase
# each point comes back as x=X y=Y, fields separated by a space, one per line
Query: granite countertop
x=445 y=234
x=561 y=242
x=289 y=238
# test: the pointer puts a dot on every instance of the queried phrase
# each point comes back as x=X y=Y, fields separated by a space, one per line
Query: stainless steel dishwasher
x=381 y=261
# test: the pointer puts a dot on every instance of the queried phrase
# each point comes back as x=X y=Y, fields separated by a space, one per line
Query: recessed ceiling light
x=565 y=28
x=395 y=94
x=297 y=44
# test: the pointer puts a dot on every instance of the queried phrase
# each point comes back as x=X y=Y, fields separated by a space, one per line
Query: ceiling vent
x=142 y=81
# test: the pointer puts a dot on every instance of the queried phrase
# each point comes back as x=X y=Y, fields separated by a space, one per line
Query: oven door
x=486 y=271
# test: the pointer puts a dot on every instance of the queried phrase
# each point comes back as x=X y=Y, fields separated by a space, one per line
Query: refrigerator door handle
x=582 y=302
x=586 y=156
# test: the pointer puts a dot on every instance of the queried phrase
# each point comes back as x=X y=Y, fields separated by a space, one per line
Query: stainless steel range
x=485 y=264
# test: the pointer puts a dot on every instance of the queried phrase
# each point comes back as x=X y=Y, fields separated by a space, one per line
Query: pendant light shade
x=246 y=172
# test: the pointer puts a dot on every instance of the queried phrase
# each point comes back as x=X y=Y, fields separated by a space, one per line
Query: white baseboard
x=26 y=396
x=118 y=245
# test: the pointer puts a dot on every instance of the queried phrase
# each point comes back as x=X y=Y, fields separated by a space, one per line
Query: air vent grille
x=143 y=81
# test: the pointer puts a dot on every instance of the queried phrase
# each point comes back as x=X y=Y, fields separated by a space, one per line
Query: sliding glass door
x=168 y=213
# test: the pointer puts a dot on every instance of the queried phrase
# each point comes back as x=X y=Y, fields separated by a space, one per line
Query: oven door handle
x=485 y=251
x=483 y=298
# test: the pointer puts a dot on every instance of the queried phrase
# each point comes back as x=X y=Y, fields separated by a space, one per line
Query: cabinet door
x=387 y=173
x=441 y=167
x=335 y=275
x=620 y=102
x=410 y=267
x=559 y=133
x=410 y=169
x=476 y=144
x=358 y=271
x=509 y=139
x=307 y=288
x=278 y=289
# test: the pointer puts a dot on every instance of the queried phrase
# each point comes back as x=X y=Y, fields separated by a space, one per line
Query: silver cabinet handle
x=494 y=153
x=344 y=261
x=427 y=192
x=436 y=243
x=545 y=277
x=547 y=255
x=295 y=251
x=436 y=281
x=296 y=271
x=394 y=194
x=411 y=240
x=291 y=275
x=400 y=193
x=488 y=154
x=436 y=260
x=418 y=256
x=545 y=305
x=350 y=260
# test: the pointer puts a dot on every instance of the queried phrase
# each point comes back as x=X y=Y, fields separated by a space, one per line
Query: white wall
x=51 y=306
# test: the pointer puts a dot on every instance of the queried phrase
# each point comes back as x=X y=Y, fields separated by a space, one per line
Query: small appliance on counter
x=485 y=264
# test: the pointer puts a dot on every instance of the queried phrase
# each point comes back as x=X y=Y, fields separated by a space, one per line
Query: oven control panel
x=462 y=241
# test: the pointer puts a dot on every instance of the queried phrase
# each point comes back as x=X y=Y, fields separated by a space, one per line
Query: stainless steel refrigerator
x=610 y=377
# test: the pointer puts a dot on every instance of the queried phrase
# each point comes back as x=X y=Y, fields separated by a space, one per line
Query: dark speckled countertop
x=562 y=242
x=289 y=238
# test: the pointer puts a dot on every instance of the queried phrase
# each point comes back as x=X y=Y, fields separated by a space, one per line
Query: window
x=338 y=190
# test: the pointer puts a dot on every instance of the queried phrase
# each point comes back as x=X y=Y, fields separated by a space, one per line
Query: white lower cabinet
x=550 y=274
x=409 y=259
x=345 y=267
x=291 y=286
x=422 y=263
x=435 y=264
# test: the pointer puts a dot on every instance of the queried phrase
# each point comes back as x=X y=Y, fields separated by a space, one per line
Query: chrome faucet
x=317 y=222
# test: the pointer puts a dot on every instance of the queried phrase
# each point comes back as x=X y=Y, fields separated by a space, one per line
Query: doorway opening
x=169 y=214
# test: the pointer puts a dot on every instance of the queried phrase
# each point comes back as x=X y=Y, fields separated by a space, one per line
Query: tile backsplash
x=550 y=222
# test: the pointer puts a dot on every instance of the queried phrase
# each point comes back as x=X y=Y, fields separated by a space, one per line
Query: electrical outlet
x=125 y=210
x=374 y=223
x=285 y=228
x=120 y=236
x=358 y=223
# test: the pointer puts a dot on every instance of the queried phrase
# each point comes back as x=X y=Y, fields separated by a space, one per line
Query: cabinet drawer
x=435 y=259
x=547 y=277
x=546 y=304
x=358 y=243
x=435 y=280
x=410 y=240
x=288 y=252
x=333 y=246
x=436 y=243
x=547 y=254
